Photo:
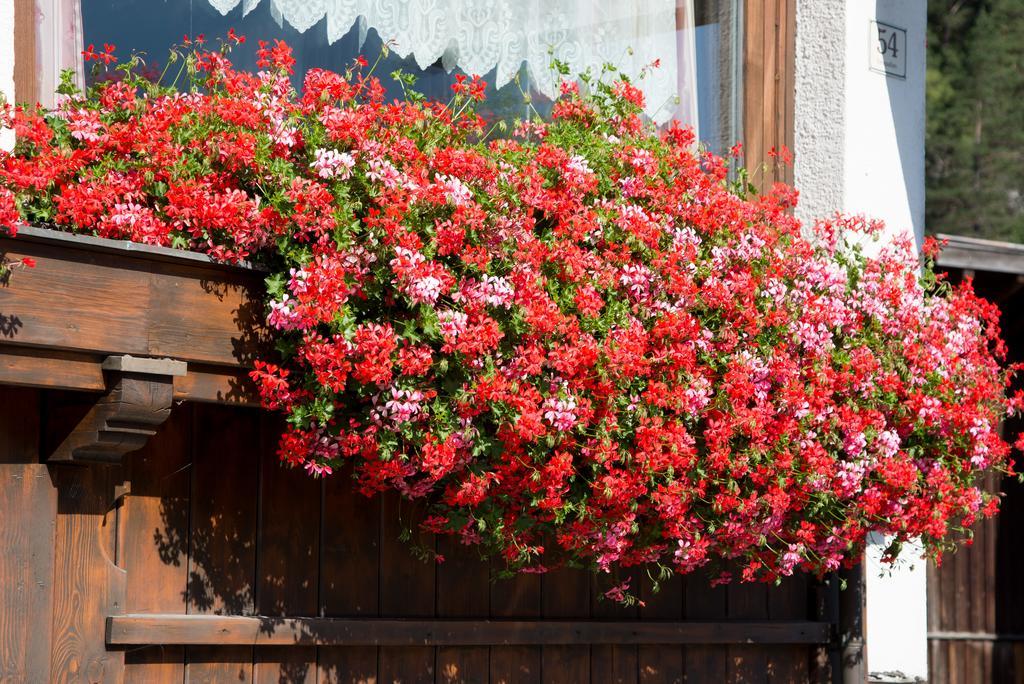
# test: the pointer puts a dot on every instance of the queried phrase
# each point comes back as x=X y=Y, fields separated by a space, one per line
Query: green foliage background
x=975 y=129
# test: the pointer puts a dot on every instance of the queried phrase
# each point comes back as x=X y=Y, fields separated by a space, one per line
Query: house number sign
x=888 y=49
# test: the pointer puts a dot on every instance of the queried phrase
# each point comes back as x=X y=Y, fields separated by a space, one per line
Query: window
x=697 y=42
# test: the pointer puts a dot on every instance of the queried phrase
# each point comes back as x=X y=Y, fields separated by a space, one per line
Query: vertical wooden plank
x=753 y=87
x=463 y=591
x=662 y=663
x=19 y=425
x=768 y=87
x=703 y=602
x=349 y=574
x=614 y=664
x=565 y=593
x=88 y=585
x=961 y=566
x=154 y=547
x=789 y=601
x=407 y=589
x=852 y=629
x=747 y=601
x=789 y=94
x=288 y=555
x=26 y=88
x=222 y=543
x=516 y=597
x=28 y=511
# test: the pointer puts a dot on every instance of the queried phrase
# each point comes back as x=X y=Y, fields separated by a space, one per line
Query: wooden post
x=850 y=646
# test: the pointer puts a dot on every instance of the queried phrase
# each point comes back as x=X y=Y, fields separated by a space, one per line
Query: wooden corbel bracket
x=137 y=401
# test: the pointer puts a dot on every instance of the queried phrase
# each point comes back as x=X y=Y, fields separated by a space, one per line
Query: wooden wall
x=976 y=597
x=205 y=521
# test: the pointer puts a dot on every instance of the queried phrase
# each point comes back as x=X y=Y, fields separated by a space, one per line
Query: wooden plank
x=851 y=626
x=195 y=319
x=207 y=665
x=87 y=583
x=789 y=93
x=702 y=602
x=747 y=601
x=407 y=588
x=222 y=539
x=616 y=663
x=155 y=541
x=19 y=425
x=288 y=554
x=55 y=369
x=463 y=591
x=26 y=86
x=789 y=601
x=769 y=113
x=515 y=597
x=349 y=573
x=50 y=368
x=961 y=567
x=216 y=384
x=28 y=507
x=278 y=631
x=565 y=593
x=753 y=89
x=55 y=304
x=661 y=663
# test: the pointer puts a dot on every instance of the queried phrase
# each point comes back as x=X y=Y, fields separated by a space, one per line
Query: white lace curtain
x=481 y=35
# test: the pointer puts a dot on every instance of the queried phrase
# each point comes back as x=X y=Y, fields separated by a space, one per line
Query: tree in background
x=975 y=129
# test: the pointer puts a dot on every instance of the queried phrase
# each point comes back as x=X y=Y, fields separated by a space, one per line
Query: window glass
x=508 y=42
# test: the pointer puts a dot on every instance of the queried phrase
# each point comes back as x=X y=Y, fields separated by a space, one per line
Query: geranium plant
x=581 y=341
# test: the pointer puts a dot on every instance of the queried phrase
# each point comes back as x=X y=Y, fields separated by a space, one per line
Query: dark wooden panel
x=222 y=542
x=661 y=663
x=288 y=557
x=463 y=591
x=349 y=574
x=747 y=601
x=565 y=593
x=614 y=664
x=154 y=534
x=28 y=509
x=789 y=601
x=407 y=588
x=516 y=597
x=19 y=425
x=703 y=602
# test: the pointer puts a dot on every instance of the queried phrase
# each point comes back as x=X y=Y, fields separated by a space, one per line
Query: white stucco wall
x=818 y=140
x=884 y=122
x=7 y=63
x=859 y=148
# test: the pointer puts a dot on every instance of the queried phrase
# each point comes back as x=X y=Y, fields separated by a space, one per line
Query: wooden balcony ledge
x=89 y=299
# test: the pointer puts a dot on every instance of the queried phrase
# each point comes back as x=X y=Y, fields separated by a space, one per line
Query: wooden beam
x=126 y=630
x=83 y=372
x=975 y=254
